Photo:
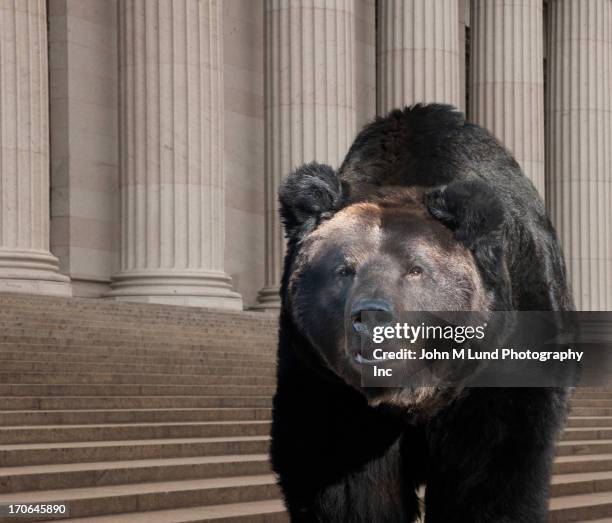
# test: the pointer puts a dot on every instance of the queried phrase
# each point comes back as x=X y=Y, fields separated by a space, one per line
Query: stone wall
x=83 y=77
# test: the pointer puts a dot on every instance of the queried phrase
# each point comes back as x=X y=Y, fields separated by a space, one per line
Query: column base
x=190 y=288
x=32 y=272
x=268 y=300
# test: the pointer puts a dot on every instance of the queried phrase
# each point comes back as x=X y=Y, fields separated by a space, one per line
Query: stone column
x=418 y=53
x=171 y=155
x=579 y=143
x=507 y=78
x=310 y=106
x=26 y=265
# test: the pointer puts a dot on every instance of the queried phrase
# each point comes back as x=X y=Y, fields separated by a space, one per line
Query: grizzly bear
x=427 y=213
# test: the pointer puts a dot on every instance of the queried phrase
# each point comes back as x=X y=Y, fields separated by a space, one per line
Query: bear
x=426 y=212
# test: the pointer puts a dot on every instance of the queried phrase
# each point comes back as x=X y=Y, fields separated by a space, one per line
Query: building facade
x=143 y=141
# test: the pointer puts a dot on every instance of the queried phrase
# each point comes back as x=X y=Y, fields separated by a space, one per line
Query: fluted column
x=310 y=106
x=507 y=78
x=418 y=53
x=579 y=144
x=26 y=265
x=171 y=154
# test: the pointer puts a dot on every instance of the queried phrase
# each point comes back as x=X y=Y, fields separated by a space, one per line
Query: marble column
x=26 y=265
x=310 y=106
x=171 y=155
x=507 y=78
x=579 y=143
x=418 y=53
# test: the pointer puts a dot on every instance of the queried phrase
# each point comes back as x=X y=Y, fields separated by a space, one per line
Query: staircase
x=136 y=413
x=131 y=412
x=582 y=481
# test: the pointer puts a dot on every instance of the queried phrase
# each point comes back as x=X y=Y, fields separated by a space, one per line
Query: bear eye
x=345 y=270
x=415 y=270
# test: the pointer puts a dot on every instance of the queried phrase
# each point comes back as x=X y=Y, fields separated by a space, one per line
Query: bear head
x=394 y=249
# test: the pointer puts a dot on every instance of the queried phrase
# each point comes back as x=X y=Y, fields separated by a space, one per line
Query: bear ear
x=310 y=194
x=470 y=208
x=476 y=215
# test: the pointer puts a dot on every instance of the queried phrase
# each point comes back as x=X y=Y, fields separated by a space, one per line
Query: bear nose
x=382 y=308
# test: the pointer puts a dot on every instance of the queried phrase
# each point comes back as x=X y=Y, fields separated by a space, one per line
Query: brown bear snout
x=383 y=313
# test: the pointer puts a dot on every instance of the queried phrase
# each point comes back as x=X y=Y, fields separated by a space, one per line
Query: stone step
x=92 y=318
x=36 y=389
x=77 y=310
x=589 y=421
x=119 y=378
x=137 y=497
x=130 y=431
x=149 y=363
x=268 y=511
x=581 y=507
x=22 y=455
x=164 y=356
x=21 y=303
x=591 y=411
x=63 y=320
x=132 y=402
x=588 y=433
x=232 y=342
x=237 y=339
x=119 y=325
x=150 y=415
x=232 y=336
x=592 y=402
x=579 y=464
x=97 y=474
x=228 y=348
x=580 y=395
x=581 y=483
x=572 y=448
x=53 y=366
x=188 y=317
x=39 y=304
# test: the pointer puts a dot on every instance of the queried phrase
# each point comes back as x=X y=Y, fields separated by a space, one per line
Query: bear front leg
x=491 y=456
x=338 y=459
